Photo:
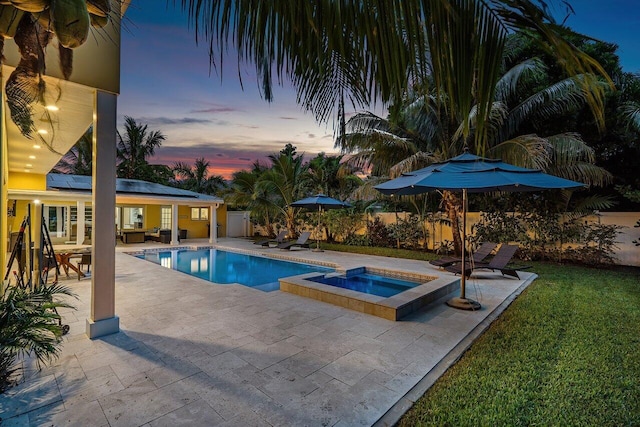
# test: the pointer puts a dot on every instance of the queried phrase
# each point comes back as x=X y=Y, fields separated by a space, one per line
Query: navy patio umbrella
x=469 y=173
x=319 y=202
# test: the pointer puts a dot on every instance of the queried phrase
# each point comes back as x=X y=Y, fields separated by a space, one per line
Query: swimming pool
x=367 y=283
x=225 y=267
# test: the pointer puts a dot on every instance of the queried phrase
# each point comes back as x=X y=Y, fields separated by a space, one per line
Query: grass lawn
x=566 y=352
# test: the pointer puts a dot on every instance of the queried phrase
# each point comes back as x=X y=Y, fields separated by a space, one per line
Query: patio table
x=64 y=261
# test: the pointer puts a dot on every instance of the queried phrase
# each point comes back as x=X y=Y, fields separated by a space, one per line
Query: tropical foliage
x=269 y=190
x=29 y=324
x=134 y=148
x=421 y=130
x=356 y=65
x=79 y=160
x=196 y=178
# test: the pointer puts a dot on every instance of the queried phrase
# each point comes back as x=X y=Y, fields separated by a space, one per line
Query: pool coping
x=391 y=308
x=240 y=251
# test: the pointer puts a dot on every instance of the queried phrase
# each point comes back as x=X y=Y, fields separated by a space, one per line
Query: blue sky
x=166 y=83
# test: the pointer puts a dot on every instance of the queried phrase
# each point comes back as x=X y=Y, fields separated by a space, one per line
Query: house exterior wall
x=198 y=229
x=27 y=181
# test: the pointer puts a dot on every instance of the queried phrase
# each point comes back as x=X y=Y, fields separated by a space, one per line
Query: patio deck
x=193 y=353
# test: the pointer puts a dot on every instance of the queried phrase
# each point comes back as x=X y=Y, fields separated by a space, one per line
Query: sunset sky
x=166 y=83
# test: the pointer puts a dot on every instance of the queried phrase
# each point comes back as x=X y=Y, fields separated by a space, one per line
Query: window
x=165 y=217
x=200 y=214
x=131 y=217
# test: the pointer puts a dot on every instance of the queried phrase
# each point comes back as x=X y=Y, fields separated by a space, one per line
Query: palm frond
x=530 y=151
x=595 y=202
x=507 y=85
x=573 y=159
x=555 y=100
x=413 y=162
x=630 y=112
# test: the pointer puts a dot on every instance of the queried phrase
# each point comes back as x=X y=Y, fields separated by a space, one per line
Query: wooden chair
x=85 y=259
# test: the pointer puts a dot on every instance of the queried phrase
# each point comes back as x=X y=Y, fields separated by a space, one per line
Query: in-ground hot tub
x=383 y=293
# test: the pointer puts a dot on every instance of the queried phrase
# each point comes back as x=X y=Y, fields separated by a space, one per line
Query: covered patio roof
x=78 y=187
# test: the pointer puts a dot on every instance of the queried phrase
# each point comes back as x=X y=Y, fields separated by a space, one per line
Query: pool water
x=224 y=267
x=367 y=283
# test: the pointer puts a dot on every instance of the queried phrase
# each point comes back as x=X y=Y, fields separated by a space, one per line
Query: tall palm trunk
x=452 y=205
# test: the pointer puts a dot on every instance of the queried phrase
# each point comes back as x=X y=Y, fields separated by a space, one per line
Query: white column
x=213 y=224
x=103 y=320
x=174 y=224
x=80 y=222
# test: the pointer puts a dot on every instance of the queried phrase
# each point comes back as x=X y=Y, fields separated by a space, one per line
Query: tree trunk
x=453 y=206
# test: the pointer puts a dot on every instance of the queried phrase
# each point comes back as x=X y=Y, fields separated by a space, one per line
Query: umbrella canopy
x=320 y=201
x=476 y=175
x=470 y=173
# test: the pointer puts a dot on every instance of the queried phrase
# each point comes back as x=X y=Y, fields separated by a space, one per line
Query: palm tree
x=354 y=52
x=78 y=161
x=421 y=131
x=246 y=193
x=133 y=150
x=286 y=182
x=328 y=175
x=196 y=178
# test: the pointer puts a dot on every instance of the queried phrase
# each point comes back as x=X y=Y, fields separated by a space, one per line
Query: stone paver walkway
x=193 y=353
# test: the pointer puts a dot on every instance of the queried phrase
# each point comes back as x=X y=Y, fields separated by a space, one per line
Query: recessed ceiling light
x=36 y=146
x=32 y=157
x=27 y=170
x=43 y=131
x=29 y=165
x=51 y=108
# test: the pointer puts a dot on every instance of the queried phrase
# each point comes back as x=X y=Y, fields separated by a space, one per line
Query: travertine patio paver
x=194 y=353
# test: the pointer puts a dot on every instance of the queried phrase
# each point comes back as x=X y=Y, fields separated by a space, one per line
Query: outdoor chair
x=85 y=259
x=300 y=243
x=498 y=262
x=478 y=256
x=280 y=238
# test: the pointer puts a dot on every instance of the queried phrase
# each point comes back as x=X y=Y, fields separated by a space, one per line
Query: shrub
x=29 y=324
x=410 y=232
x=343 y=224
x=378 y=233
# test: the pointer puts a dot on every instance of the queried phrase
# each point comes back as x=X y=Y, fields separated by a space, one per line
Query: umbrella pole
x=462 y=302
x=317 y=248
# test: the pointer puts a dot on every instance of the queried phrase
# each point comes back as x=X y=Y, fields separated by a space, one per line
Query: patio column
x=174 y=224
x=103 y=320
x=80 y=222
x=213 y=225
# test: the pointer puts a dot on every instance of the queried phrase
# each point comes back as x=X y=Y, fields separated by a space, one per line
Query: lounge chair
x=498 y=262
x=300 y=243
x=478 y=256
x=279 y=239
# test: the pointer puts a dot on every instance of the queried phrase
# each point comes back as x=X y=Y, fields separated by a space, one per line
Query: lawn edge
x=393 y=415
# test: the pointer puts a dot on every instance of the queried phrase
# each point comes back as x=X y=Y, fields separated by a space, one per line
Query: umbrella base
x=464 y=304
x=317 y=250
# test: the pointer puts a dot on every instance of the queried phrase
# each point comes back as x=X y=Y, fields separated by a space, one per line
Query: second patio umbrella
x=319 y=202
x=470 y=173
